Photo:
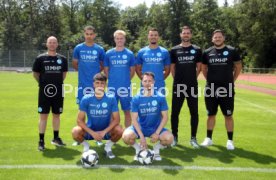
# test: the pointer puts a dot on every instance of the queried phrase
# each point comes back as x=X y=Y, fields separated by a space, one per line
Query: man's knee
x=116 y=133
x=128 y=137
x=166 y=138
x=78 y=133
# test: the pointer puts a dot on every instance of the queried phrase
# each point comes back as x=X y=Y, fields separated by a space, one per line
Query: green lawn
x=254 y=136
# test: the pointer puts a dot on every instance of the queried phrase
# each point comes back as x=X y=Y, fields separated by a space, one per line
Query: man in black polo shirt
x=221 y=66
x=49 y=70
x=185 y=67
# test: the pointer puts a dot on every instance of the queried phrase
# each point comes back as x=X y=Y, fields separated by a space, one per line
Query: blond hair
x=119 y=32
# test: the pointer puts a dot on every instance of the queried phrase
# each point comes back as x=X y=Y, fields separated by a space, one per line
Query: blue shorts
x=87 y=136
x=123 y=97
x=146 y=133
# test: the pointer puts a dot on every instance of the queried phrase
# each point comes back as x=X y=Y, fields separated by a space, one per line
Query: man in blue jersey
x=119 y=68
x=149 y=112
x=87 y=60
x=155 y=59
x=103 y=117
x=221 y=66
x=49 y=70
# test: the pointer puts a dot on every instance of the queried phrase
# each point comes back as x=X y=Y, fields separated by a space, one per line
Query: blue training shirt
x=149 y=110
x=98 y=111
x=154 y=60
x=119 y=64
x=89 y=58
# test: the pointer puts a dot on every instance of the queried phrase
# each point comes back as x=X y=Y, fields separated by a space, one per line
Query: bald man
x=49 y=70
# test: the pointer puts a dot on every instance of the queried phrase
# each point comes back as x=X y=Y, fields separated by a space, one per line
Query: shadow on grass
x=124 y=156
x=61 y=152
x=247 y=154
x=218 y=152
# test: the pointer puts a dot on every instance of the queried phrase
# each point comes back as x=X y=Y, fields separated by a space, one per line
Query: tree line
x=249 y=25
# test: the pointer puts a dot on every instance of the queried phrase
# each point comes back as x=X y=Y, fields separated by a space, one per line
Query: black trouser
x=178 y=98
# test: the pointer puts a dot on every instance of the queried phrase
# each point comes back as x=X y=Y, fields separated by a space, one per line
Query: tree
x=205 y=19
x=257 y=28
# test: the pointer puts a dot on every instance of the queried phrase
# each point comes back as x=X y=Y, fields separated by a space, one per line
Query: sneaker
x=230 y=145
x=41 y=146
x=109 y=154
x=57 y=142
x=175 y=141
x=207 y=142
x=75 y=143
x=99 y=143
x=157 y=157
x=135 y=158
x=194 y=143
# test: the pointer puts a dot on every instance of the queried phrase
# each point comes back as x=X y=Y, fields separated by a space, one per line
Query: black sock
x=230 y=135
x=56 y=134
x=209 y=133
x=41 y=136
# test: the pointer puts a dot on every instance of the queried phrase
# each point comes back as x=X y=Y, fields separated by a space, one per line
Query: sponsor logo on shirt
x=53 y=68
x=154 y=103
x=124 y=56
x=59 y=61
x=193 y=51
x=159 y=54
x=225 y=53
x=218 y=60
x=104 y=104
x=95 y=52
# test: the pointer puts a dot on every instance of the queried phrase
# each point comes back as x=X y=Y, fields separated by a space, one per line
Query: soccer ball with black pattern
x=89 y=158
x=145 y=156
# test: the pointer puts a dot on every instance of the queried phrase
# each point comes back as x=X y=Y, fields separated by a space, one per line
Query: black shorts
x=50 y=97
x=222 y=96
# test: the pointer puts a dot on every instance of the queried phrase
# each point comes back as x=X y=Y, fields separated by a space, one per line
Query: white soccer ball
x=145 y=156
x=89 y=158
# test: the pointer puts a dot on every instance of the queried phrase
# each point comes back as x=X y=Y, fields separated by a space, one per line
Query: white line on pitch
x=257 y=106
x=115 y=166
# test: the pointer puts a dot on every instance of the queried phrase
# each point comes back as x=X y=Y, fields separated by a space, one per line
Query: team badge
x=225 y=53
x=154 y=102
x=104 y=104
x=59 y=61
x=124 y=56
x=39 y=109
x=159 y=54
x=95 y=52
x=193 y=51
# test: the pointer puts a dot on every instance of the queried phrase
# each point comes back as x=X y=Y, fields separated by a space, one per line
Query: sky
x=133 y=3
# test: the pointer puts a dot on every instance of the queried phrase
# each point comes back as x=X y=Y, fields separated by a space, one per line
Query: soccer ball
x=89 y=158
x=145 y=156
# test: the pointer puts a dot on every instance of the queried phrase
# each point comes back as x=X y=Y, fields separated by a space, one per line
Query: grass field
x=254 y=136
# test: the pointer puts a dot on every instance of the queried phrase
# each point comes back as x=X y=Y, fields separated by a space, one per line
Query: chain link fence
x=22 y=60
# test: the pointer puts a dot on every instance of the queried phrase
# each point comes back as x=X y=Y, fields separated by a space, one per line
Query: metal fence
x=22 y=60
x=13 y=60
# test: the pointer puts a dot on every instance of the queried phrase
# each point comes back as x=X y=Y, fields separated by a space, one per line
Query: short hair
x=119 y=32
x=153 y=29
x=148 y=74
x=186 y=27
x=218 y=31
x=100 y=77
x=89 y=28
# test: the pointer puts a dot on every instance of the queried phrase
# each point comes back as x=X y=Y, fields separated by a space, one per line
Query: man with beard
x=149 y=112
x=154 y=58
x=221 y=66
x=185 y=68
